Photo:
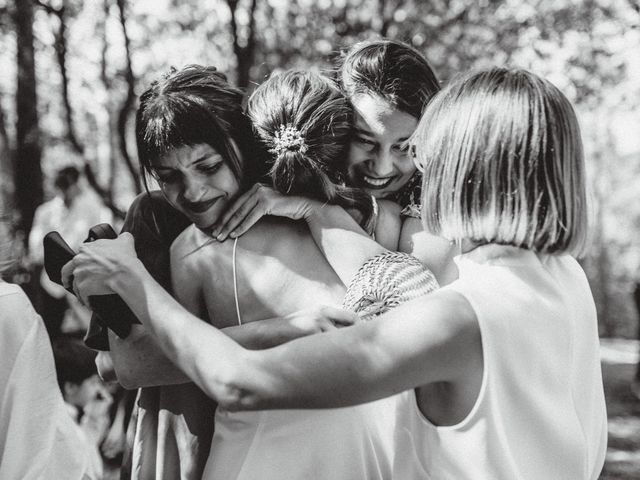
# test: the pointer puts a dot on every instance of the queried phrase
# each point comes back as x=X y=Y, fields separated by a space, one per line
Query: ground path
x=619 y=360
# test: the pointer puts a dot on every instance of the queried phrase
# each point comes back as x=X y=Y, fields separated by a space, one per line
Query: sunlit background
x=93 y=57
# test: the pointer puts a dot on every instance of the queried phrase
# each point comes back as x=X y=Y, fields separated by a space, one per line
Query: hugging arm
x=436 y=253
x=139 y=361
x=404 y=348
x=344 y=244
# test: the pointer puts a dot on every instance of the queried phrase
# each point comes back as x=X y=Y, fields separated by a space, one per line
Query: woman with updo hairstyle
x=306 y=123
x=389 y=84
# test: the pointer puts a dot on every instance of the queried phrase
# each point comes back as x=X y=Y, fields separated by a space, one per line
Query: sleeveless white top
x=332 y=444
x=540 y=413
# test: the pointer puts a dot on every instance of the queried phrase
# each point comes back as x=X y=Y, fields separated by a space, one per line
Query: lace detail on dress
x=386 y=281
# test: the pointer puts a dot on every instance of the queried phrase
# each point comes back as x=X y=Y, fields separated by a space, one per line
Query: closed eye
x=209 y=168
x=171 y=176
x=404 y=147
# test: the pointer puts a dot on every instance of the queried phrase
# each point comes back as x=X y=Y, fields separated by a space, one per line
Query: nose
x=383 y=164
x=193 y=190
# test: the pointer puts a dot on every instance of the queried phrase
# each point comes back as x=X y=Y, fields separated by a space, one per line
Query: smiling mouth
x=376 y=182
x=200 y=207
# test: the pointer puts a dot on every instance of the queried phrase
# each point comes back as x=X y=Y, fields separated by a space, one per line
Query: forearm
x=202 y=352
x=344 y=244
x=264 y=333
x=139 y=361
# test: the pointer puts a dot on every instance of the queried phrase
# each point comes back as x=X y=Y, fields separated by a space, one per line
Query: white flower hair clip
x=288 y=138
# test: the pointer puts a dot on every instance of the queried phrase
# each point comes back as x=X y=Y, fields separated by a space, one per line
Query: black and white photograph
x=319 y=240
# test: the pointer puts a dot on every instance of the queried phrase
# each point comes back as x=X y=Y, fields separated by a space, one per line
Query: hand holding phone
x=111 y=309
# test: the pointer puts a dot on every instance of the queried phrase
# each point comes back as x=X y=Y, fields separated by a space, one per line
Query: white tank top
x=540 y=413
x=334 y=444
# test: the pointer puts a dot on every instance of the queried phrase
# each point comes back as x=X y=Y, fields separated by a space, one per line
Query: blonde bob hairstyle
x=503 y=163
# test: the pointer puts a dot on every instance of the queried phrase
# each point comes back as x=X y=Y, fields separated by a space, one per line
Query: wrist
x=126 y=276
x=314 y=210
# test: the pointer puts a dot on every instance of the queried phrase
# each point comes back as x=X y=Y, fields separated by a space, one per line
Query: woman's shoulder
x=193 y=246
x=14 y=306
x=13 y=299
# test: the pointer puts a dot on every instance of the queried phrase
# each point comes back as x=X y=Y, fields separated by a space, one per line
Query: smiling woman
x=389 y=84
x=378 y=158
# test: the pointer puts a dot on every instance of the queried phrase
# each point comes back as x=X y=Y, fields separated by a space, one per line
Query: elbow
x=109 y=371
x=236 y=399
x=128 y=381
x=129 y=384
x=234 y=387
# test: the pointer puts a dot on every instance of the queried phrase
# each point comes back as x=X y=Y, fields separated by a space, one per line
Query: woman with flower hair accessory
x=389 y=84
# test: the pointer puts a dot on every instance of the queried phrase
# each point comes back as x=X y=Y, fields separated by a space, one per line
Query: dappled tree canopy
x=72 y=98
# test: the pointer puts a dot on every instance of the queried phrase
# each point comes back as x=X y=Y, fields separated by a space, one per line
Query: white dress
x=331 y=444
x=540 y=413
x=38 y=437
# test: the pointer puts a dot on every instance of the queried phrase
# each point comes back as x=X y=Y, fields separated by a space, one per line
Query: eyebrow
x=200 y=159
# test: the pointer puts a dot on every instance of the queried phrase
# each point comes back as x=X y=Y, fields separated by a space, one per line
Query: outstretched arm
x=427 y=340
x=138 y=361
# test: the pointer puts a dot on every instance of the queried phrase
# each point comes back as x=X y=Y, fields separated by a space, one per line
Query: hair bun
x=288 y=138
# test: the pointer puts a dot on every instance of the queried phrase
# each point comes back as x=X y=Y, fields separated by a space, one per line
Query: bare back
x=279 y=270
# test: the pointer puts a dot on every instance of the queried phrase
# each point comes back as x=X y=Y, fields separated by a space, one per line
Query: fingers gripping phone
x=112 y=310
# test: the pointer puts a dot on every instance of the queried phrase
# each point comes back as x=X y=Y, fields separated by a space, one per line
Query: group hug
x=359 y=274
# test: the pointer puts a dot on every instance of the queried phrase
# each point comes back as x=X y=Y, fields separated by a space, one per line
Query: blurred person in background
x=86 y=397
x=38 y=438
x=72 y=212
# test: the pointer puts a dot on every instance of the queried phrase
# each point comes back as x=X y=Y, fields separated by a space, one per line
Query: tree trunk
x=111 y=114
x=6 y=170
x=245 y=54
x=28 y=171
x=60 y=45
x=128 y=102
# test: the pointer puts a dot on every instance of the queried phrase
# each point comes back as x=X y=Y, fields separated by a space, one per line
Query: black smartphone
x=56 y=254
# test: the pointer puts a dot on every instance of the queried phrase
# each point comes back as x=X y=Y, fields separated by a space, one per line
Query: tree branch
x=123 y=115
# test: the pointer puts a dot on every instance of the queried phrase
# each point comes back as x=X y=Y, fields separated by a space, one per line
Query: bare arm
x=403 y=349
x=431 y=339
x=139 y=361
x=436 y=253
x=344 y=244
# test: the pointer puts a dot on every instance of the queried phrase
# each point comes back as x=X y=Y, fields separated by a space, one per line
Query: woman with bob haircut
x=500 y=369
